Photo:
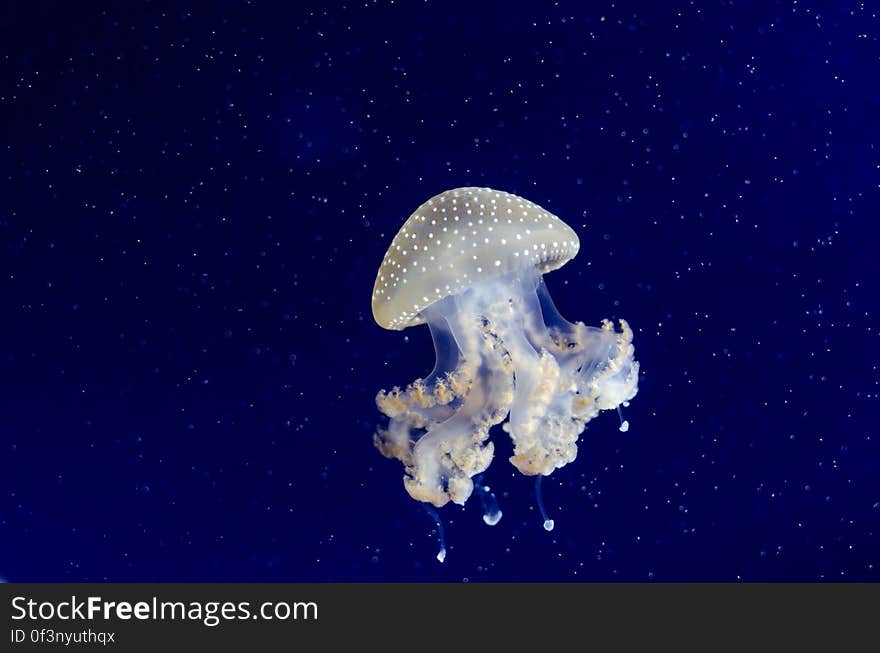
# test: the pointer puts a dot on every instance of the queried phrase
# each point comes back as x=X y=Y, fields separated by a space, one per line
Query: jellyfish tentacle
x=488 y=501
x=540 y=422
x=537 y=375
x=610 y=379
x=441 y=533
x=539 y=499
x=424 y=402
x=441 y=455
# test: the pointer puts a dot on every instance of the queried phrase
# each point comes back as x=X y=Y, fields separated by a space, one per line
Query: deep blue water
x=195 y=199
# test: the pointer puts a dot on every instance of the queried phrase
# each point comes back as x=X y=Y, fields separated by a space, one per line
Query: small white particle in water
x=548 y=525
x=624 y=426
x=490 y=519
x=441 y=555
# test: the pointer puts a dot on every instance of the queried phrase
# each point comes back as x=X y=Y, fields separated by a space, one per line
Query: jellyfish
x=470 y=263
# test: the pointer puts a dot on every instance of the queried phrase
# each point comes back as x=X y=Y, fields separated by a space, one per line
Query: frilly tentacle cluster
x=549 y=381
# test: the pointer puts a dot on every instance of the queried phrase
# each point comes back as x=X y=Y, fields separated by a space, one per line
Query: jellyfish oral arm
x=443 y=449
x=503 y=349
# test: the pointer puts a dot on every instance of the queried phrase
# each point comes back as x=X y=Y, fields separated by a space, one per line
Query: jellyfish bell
x=470 y=262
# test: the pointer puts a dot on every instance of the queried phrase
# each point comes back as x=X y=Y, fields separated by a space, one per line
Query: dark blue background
x=194 y=203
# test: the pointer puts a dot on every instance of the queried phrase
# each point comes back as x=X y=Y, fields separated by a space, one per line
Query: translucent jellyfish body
x=470 y=263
